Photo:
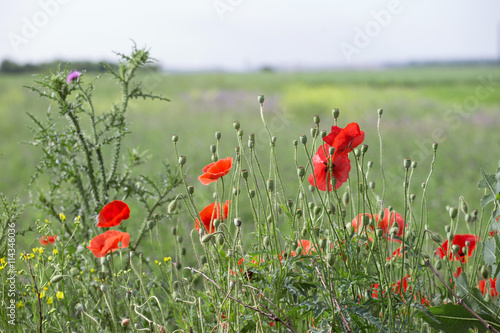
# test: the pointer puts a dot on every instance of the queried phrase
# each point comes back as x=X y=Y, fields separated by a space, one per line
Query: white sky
x=191 y=35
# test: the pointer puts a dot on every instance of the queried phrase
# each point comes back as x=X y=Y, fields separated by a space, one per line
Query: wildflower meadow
x=252 y=242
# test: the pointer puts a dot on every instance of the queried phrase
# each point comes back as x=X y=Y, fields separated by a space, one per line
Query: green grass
x=416 y=101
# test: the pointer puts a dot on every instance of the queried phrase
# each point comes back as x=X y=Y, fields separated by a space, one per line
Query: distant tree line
x=11 y=67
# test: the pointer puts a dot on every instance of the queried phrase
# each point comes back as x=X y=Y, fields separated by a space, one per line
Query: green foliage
x=454 y=318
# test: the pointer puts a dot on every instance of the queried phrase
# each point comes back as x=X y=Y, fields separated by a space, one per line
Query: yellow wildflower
x=54 y=251
x=50 y=300
x=62 y=217
x=20 y=304
x=60 y=295
x=167 y=259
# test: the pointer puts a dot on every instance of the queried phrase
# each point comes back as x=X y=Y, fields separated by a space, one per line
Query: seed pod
x=314 y=132
x=298 y=213
x=206 y=238
x=316 y=210
x=270 y=185
x=380 y=112
x=371 y=185
x=175 y=138
x=364 y=148
x=237 y=222
x=251 y=193
x=435 y=146
x=244 y=173
x=236 y=125
x=151 y=225
x=172 y=206
x=236 y=191
x=182 y=160
x=190 y=189
x=261 y=99
x=179 y=239
x=413 y=164
x=216 y=223
x=322 y=134
x=439 y=265
x=379 y=232
x=413 y=196
x=295 y=143
x=316 y=119
x=301 y=172
x=303 y=139
x=183 y=251
x=178 y=265
x=453 y=212
x=455 y=248
x=406 y=163
x=335 y=113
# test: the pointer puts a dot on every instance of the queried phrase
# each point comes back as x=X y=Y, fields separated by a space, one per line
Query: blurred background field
x=420 y=107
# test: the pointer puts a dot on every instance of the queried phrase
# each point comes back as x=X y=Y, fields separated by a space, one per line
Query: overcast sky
x=248 y=34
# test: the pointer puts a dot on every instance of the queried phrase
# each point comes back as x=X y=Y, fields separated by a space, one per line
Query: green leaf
x=488 y=181
x=455 y=318
x=489 y=251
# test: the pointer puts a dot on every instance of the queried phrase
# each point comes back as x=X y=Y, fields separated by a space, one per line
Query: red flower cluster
x=213 y=171
x=209 y=214
x=492 y=288
x=111 y=215
x=338 y=165
x=46 y=240
x=384 y=224
x=445 y=250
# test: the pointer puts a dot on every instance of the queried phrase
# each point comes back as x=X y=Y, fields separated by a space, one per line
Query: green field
x=418 y=105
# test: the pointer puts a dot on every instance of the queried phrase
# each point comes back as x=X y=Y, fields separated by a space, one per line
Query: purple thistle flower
x=73 y=76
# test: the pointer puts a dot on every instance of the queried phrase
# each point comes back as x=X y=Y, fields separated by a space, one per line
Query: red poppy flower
x=339 y=169
x=209 y=214
x=460 y=241
x=492 y=288
x=108 y=242
x=384 y=223
x=306 y=247
x=396 y=254
x=46 y=240
x=215 y=170
x=113 y=213
x=345 y=139
x=458 y=272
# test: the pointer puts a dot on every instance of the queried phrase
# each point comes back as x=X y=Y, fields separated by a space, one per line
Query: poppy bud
x=236 y=191
x=331 y=151
x=330 y=259
x=371 y=185
x=439 y=265
x=104 y=288
x=301 y=172
x=464 y=206
x=289 y=203
x=295 y=143
x=450 y=236
x=175 y=138
x=364 y=148
x=183 y=251
x=435 y=237
x=310 y=204
x=345 y=198
x=213 y=149
x=467 y=243
x=333 y=209
x=190 y=189
x=314 y=132
x=380 y=112
x=303 y=139
x=251 y=193
x=316 y=210
x=316 y=119
x=485 y=272
x=435 y=146
x=125 y=322
x=266 y=241
x=423 y=185
x=269 y=218
x=298 y=251
x=322 y=243
x=237 y=149
x=468 y=218
x=455 y=248
x=182 y=160
x=447 y=228
x=369 y=164
x=413 y=164
x=393 y=231
x=365 y=221
x=273 y=140
x=216 y=223
x=131 y=254
x=56 y=278
x=412 y=197
x=236 y=125
x=406 y=163
x=178 y=265
x=453 y=212
x=206 y=238
x=304 y=232
x=322 y=134
x=379 y=232
x=179 y=239
x=474 y=213
x=240 y=133
x=270 y=185
x=357 y=152
x=218 y=135
x=260 y=98
x=173 y=230
x=335 y=113
x=172 y=206
x=237 y=222
x=298 y=212
x=220 y=239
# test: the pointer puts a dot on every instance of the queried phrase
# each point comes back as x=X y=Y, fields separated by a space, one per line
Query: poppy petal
x=113 y=213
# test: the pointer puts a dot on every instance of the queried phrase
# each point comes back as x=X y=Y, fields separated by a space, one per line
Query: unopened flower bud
x=251 y=193
x=178 y=265
x=182 y=160
x=330 y=259
x=266 y=242
x=316 y=210
x=439 y=265
x=331 y=151
x=183 y=251
x=455 y=248
x=213 y=149
x=453 y=212
x=236 y=125
x=406 y=163
x=369 y=164
x=301 y=172
x=485 y=272
x=173 y=230
x=379 y=232
x=357 y=152
x=364 y=148
x=218 y=135
x=345 y=198
x=322 y=134
x=56 y=278
x=179 y=238
x=295 y=143
x=413 y=196
x=464 y=206
x=303 y=139
x=151 y=225
x=261 y=99
x=172 y=206
x=413 y=164
x=447 y=228
x=468 y=218
x=314 y=132
x=236 y=191
x=206 y=238
x=237 y=222
x=435 y=237
x=371 y=185
x=79 y=307
x=190 y=189
x=104 y=288
x=335 y=113
x=175 y=138
x=240 y=133
x=435 y=146
x=380 y=112
x=298 y=212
